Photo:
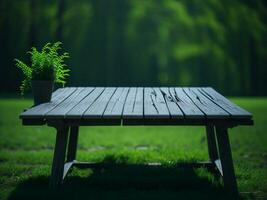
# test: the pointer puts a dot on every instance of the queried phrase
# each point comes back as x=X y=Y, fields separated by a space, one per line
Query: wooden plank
x=72 y=143
x=57 y=92
x=115 y=105
x=129 y=102
x=211 y=110
x=133 y=107
x=78 y=110
x=212 y=146
x=66 y=105
x=97 y=109
x=154 y=104
x=190 y=110
x=234 y=110
x=40 y=110
x=138 y=109
x=59 y=158
x=170 y=100
x=227 y=165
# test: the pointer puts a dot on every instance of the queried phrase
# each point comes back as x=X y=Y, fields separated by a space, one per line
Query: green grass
x=26 y=155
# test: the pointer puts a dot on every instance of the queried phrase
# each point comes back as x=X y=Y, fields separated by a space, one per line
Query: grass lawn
x=26 y=156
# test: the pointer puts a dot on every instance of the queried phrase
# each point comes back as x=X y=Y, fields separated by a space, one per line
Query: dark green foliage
x=46 y=64
x=27 y=71
x=215 y=43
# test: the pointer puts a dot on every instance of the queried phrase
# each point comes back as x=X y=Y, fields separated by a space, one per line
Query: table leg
x=59 y=157
x=212 y=146
x=229 y=178
x=72 y=146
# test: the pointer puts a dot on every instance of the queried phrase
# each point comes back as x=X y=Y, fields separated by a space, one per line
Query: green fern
x=27 y=72
x=46 y=64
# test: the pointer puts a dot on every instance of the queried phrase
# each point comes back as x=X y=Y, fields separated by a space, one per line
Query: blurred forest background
x=218 y=43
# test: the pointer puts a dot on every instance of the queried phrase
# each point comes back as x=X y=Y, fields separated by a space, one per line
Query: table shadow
x=125 y=181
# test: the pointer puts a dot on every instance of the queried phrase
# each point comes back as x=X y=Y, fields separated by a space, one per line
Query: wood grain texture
x=137 y=106
x=133 y=107
x=154 y=104
x=115 y=106
x=190 y=110
x=77 y=111
x=234 y=110
x=171 y=103
x=57 y=92
x=40 y=110
x=65 y=106
x=98 y=107
x=210 y=109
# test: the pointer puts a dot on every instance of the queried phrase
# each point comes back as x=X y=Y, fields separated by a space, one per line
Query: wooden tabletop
x=137 y=105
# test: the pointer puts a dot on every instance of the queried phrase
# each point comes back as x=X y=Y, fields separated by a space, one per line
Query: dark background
x=215 y=43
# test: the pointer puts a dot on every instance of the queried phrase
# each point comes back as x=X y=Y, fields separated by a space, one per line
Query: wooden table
x=72 y=107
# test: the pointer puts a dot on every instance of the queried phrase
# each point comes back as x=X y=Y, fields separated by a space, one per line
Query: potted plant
x=47 y=67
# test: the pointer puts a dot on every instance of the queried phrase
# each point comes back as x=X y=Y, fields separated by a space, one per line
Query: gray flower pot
x=42 y=91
